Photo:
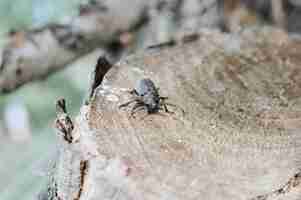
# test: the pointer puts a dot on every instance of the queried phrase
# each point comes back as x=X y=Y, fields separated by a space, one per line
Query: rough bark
x=238 y=139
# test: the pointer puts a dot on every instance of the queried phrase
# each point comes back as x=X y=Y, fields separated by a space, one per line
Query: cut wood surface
x=237 y=139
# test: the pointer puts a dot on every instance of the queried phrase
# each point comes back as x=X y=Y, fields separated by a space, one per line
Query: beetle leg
x=164 y=104
x=128 y=103
x=136 y=108
x=163 y=98
x=165 y=107
x=133 y=91
x=173 y=105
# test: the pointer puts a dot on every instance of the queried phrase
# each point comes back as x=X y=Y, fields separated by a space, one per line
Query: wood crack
x=83 y=173
x=286 y=188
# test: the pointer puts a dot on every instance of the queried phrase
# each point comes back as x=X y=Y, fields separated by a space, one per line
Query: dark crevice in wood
x=83 y=173
x=101 y=68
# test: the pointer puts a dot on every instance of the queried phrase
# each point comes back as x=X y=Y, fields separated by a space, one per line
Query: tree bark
x=238 y=137
x=34 y=54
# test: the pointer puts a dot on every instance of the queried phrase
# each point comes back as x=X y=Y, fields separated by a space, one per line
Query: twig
x=63 y=122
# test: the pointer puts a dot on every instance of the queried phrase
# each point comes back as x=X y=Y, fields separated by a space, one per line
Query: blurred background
x=28 y=143
x=27 y=136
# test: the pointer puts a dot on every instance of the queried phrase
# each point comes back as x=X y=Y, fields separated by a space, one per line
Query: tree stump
x=238 y=137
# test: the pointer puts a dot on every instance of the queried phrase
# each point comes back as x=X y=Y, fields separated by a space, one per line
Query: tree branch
x=31 y=55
